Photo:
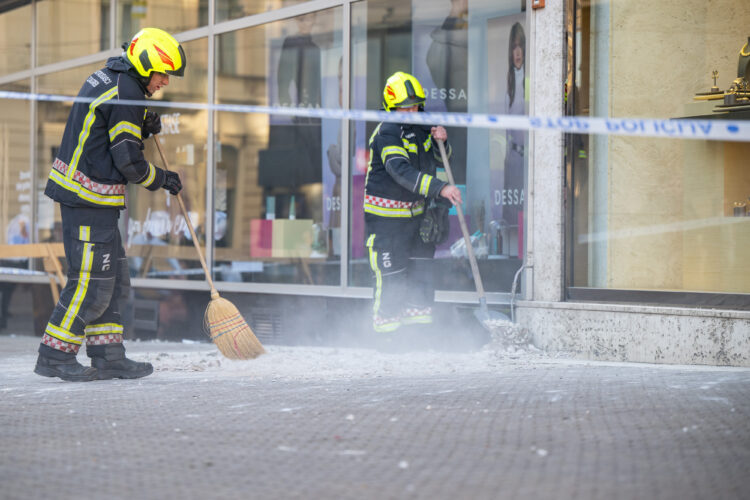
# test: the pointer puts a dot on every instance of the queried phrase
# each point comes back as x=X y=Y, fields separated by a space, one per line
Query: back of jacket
x=402 y=170
x=102 y=146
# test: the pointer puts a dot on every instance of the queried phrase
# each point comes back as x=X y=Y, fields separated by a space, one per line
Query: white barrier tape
x=21 y=272
x=720 y=129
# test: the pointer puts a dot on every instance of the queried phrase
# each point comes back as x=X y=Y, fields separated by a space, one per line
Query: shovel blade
x=490 y=318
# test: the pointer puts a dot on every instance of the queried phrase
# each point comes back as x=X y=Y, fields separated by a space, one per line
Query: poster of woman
x=508 y=91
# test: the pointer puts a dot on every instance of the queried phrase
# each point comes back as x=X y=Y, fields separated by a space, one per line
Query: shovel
x=487 y=318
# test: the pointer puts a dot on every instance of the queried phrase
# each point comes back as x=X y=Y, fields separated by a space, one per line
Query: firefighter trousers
x=97 y=277
x=401 y=264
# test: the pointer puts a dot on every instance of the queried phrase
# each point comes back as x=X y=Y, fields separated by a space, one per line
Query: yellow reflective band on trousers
x=424 y=186
x=64 y=335
x=84 y=233
x=123 y=126
x=86 y=129
x=376 y=270
x=83 y=284
x=104 y=329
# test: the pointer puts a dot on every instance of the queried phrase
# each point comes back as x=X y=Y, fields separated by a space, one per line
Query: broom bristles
x=228 y=330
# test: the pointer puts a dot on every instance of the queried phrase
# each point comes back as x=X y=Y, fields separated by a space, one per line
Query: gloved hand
x=172 y=182
x=151 y=124
x=435 y=224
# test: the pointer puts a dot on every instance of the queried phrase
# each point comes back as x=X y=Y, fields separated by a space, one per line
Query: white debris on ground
x=309 y=363
x=508 y=333
x=186 y=358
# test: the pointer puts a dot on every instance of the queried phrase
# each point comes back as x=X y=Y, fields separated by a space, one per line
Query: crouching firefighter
x=401 y=186
x=101 y=151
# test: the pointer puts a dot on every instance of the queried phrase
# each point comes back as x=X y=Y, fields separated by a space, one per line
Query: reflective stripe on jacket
x=102 y=146
x=402 y=170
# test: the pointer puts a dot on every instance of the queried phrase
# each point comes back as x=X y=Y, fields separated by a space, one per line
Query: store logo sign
x=170 y=124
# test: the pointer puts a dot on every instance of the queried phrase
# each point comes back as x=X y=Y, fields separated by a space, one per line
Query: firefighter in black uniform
x=401 y=180
x=101 y=151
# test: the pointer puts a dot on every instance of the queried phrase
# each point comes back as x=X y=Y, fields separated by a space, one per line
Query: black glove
x=435 y=224
x=151 y=124
x=172 y=182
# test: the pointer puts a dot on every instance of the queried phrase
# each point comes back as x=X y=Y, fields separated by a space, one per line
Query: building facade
x=630 y=247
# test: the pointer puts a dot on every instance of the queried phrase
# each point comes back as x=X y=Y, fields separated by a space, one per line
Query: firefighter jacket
x=401 y=173
x=102 y=146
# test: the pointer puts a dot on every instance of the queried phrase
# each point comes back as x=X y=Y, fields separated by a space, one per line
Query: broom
x=222 y=321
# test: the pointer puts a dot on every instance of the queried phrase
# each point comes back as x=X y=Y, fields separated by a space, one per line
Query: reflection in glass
x=156 y=236
x=15 y=186
x=71 y=28
x=171 y=16
x=649 y=213
x=277 y=196
x=15 y=169
x=233 y=9
x=15 y=39
x=463 y=54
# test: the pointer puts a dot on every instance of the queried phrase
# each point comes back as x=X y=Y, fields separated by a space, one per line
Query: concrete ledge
x=614 y=332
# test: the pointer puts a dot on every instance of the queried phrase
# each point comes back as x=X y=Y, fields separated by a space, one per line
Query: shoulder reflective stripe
x=410 y=147
x=82 y=192
x=130 y=128
x=64 y=335
x=150 y=177
x=424 y=187
x=84 y=233
x=83 y=284
x=87 y=122
x=392 y=150
x=374 y=133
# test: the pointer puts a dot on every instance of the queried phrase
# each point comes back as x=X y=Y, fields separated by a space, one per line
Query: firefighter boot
x=54 y=363
x=110 y=362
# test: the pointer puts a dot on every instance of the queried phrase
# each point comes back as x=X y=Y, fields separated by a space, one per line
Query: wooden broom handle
x=214 y=293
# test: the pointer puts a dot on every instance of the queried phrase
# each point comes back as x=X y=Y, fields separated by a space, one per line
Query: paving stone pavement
x=518 y=428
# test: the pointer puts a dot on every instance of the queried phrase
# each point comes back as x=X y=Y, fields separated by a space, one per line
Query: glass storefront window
x=171 y=16
x=15 y=39
x=157 y=239
x=15 y=169
x=278 y=177
x=469 y=57
x=659 y=214
x=233 y=9
x=67 y=29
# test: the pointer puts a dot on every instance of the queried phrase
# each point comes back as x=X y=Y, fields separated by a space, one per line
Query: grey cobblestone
x=520 y=429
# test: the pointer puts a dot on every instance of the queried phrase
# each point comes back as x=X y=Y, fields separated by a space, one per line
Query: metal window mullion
x=210 y=141
x=527 y=281
x=112 y=24
x=32 y=134
x=344 y=231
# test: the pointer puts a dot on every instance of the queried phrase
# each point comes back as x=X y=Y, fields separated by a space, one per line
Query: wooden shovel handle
x=464 y=228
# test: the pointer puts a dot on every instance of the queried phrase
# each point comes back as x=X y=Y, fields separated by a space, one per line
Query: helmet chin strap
x=148 y=82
